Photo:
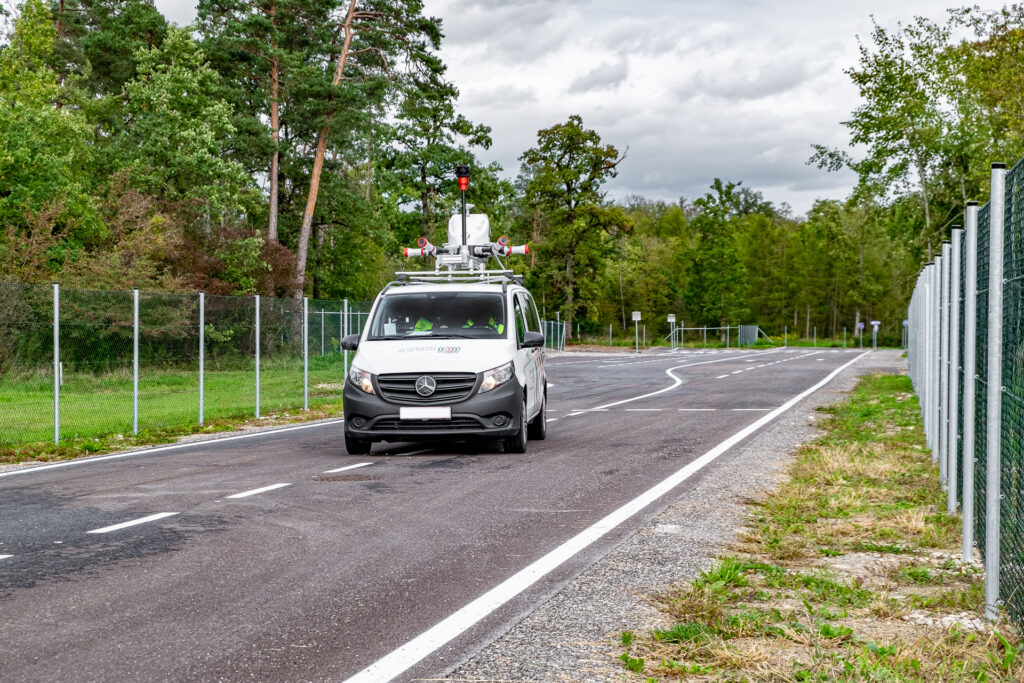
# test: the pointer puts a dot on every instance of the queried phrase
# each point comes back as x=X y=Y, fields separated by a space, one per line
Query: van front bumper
x=492 y=415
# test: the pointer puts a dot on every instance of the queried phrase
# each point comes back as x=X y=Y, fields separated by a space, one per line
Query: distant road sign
x=671 y=317
x=860 y=326
x=636 y=315
x=876 y=323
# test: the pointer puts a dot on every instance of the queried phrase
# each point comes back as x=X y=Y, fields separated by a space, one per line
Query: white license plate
x=426 y=413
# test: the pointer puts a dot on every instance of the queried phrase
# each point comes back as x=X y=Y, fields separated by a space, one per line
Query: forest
x=291 y=147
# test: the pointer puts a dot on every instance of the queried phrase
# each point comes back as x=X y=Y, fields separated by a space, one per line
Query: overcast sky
x=696 y=89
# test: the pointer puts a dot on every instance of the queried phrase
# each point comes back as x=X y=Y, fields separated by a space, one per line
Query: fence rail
x=966 y=359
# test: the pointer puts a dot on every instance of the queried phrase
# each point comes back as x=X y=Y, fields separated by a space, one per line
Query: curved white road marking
x=676 y=380
x=406 y=656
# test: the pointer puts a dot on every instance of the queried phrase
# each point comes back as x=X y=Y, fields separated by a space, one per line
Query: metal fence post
x=257 y=355
x=953 y=383
x=944 y=364
x=993 y=439
x=970 y=371
x=56 y=363
x=344 y=333
x=202 y=354
x=305 y=349
x=321 y=331
x=135 y=361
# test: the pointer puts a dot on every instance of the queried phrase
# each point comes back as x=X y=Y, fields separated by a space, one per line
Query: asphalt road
x=328 y=564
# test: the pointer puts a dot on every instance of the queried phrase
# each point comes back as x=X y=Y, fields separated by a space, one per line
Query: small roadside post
x=860 y=333
x=636 y=330
x=672 y=330
x=874 y=333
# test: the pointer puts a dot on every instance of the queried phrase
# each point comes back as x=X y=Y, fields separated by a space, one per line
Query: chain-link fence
x=966 y=358
x=78 y=364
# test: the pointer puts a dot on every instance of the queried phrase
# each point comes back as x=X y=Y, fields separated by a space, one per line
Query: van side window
x=531 y=315
x=520 y=322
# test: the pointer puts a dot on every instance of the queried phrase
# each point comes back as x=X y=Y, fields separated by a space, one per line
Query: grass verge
x=850 y=570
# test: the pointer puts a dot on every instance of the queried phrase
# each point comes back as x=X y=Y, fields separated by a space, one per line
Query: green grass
x=98 y=407
x=786 y=604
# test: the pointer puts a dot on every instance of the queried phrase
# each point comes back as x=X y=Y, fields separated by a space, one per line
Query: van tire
x=517 y=443
x=538 y=430
x=357 y=446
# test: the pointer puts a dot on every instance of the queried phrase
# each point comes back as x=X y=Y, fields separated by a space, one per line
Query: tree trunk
x=927 y=205
x=424 y=201
x=318 y=163
x=807 y=323
x=569 y=302
x=535 y=236
x=275 y=136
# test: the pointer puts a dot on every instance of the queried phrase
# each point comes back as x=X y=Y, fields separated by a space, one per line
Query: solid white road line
x=349 y=467
x=245 y=494
x=162 y=449
x=123 y=525
x=406 y=656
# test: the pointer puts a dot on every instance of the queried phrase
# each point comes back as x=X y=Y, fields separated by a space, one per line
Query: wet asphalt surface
x=322 y=577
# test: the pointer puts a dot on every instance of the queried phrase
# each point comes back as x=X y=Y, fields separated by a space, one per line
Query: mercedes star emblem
x=425 y=385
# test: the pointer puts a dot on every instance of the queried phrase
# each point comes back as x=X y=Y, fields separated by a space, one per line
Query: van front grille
x=394 y=425
x=451 y=387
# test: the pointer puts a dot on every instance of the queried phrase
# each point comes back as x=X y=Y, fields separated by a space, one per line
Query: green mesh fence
x=97 y=359
x=26 y=362
x=981 y=377
x=1011 y=533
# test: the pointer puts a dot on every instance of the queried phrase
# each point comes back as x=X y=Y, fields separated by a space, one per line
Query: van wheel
x=357 y=446
x=539 y=427
x=517 y=443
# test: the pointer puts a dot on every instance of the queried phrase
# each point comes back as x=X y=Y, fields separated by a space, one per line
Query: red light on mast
x=463 y=184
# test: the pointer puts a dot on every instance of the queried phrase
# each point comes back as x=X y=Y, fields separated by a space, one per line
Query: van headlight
x=496 y=377
x=361 y=379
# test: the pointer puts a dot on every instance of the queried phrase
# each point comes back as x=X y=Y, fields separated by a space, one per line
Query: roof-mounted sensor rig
x=465 y=255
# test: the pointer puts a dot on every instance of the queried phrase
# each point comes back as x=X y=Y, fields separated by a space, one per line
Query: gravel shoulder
x=575 y=635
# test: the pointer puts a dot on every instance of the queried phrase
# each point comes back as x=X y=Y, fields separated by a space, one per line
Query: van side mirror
x=533 y=340
x=350 y=342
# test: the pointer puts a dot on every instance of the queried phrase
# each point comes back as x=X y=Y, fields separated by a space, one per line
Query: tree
x=176 y=128
x=45 y=208
x=373 y=34
x=569 y=168
x=428 y=136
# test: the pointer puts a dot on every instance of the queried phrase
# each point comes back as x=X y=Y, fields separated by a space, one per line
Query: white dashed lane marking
x=245 y=494
x=4 y=557
x=124 y=525
x=347 y=467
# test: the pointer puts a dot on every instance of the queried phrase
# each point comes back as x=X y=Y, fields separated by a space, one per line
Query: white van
x=453 y=355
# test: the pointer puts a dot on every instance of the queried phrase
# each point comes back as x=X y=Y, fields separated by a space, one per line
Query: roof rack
x=438 y=276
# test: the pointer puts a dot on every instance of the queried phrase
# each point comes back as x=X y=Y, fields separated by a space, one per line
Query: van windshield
x=473 y=315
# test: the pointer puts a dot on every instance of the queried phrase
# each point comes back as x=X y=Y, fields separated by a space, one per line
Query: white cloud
x=697 y=89
x=601 y=77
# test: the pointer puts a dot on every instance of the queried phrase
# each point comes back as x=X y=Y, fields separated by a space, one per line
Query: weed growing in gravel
x=849 y=570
